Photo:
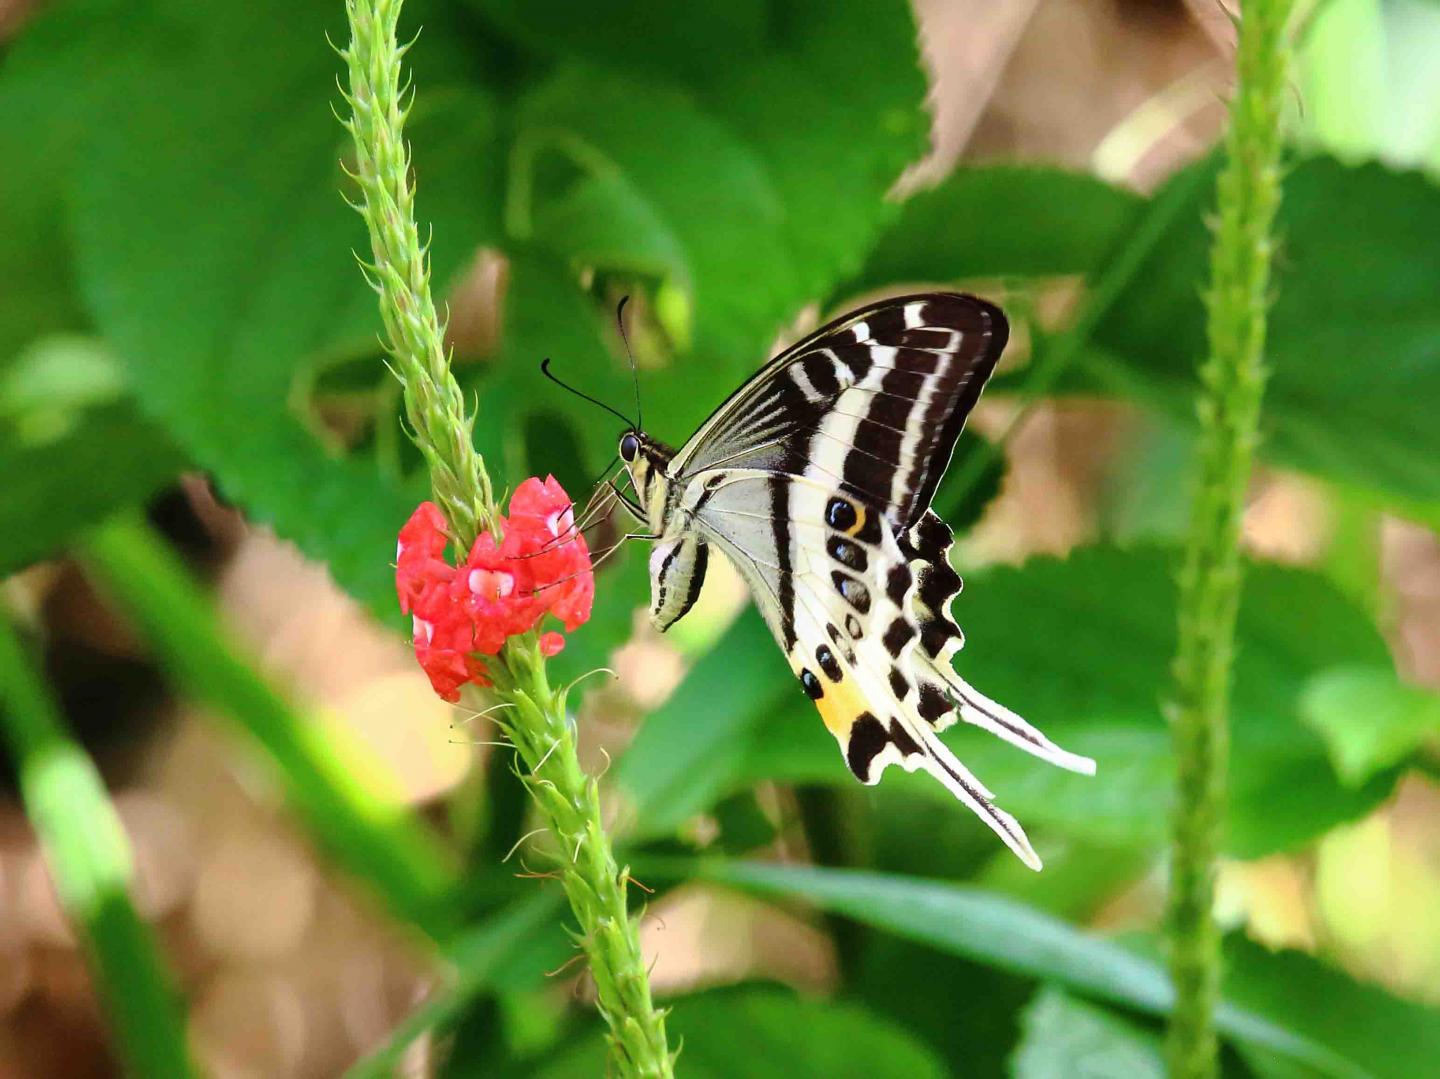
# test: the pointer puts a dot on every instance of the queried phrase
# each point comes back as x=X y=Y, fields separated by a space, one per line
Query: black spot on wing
x=847 y=553
x=897 y=636
x=934 y=702
x=828 y=664
x=937 y=632
x=898 y=685
x=852 y=591
x=903 y=742
x=867 y=739
x=897 y=581
x=813 y=689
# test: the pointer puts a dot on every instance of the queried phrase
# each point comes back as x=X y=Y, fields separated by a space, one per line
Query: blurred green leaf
x=753 y=1032
x=1284 y=1003
x=1367 y=81
x=1378 y=1032
x=345 y=795
x=476 y=957
x=1066 y=1038
x=1354 y=336
x=962 y=505
x=215 y=250
x=1002 y=220
x=1083 y=661
x=978 y=1023
x=687 y=749
x=73 y=448
x=650 y=36
x=1369 y=721
x=51 y=79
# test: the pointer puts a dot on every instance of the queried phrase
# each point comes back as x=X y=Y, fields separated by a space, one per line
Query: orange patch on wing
x=840 y=706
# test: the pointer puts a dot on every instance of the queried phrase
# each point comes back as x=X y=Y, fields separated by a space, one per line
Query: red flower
x=461 y=613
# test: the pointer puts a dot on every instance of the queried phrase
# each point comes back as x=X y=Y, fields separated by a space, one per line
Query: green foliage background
x=180 y=293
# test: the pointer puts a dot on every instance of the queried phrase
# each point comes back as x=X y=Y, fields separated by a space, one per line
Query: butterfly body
x=815 y=480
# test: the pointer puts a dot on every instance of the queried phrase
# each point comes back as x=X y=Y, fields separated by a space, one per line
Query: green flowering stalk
x=1232 y=384
x=532 y=714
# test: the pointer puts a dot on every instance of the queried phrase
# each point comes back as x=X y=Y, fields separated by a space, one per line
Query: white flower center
x=491 y=584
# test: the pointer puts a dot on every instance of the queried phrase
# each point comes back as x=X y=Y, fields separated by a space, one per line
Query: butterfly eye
x=629 y=446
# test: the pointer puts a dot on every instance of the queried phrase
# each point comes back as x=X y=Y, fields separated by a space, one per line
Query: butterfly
x=815 y=479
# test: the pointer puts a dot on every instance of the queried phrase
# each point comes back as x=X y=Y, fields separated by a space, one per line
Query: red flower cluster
x=540 y=566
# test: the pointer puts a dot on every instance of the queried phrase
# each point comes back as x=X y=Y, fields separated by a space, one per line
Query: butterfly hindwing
x=815 y=480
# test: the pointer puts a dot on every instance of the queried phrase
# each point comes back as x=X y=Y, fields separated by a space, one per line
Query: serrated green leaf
x=1002 y=220
x=757 y=1032
x=1353 y=341
x=1369 y=721
x=1085 y=659
x=788 y=151
x=215 y=251
x=1066 y=1038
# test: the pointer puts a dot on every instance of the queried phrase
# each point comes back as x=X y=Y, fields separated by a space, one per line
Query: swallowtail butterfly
x=815 y=479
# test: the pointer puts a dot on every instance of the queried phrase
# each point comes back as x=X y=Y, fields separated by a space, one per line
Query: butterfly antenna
x=634 y=371
x=545 y=370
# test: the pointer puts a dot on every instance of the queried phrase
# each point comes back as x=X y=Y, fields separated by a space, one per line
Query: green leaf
x=216 y=253
x=1002 y=220
x=978 y=1023
x=1288 y=1004
x=72 y=447
x=687 y=749
x=647 y=36
x=1352 y=338
x=789 y=150
x=1378 y=1032
x=1369 y=721
x=1085 y=661
x=479 y=957
x=1370 y=88
x=51 y=81
x=761 y=1032
x=344 y=794
x=1066 y=1038
x=716 y=203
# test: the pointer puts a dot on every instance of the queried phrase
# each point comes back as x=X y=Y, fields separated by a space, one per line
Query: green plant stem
x=331 y=784
x=1232 y=384
x=89 y=860
x=400 y=270
x=535 y=717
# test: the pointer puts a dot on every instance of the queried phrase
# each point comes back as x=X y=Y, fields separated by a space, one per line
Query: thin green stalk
x=536 y=720
x=1232 y=384
x=330 y=783
x=89 y=860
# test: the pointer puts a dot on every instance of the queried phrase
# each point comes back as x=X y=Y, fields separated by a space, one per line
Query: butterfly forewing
x=875 y=400
x=815 y=479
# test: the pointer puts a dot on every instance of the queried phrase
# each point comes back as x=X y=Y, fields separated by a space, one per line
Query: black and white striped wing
x=875 y=400
x=815 y=479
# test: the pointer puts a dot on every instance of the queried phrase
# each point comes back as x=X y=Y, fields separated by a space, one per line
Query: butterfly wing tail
x=935 y=758
x=944 y=695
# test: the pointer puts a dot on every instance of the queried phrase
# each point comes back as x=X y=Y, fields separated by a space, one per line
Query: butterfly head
x=645 y=459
